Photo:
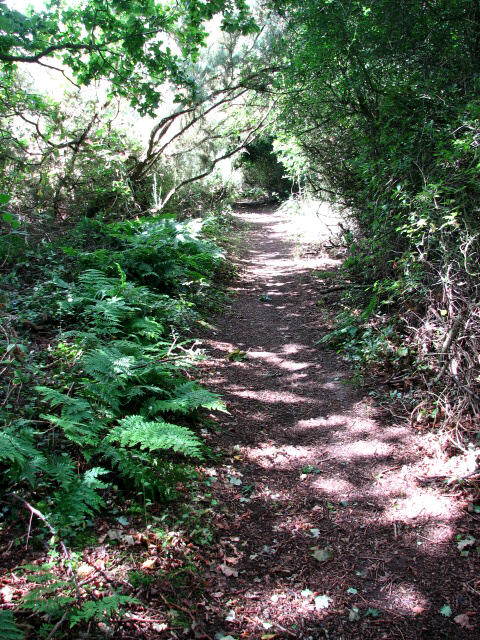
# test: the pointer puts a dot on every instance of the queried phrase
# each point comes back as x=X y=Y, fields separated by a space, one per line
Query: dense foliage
x=135 y=45
x=382 y=101
x=107 y=266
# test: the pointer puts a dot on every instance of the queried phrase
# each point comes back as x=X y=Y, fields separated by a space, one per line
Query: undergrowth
x=97 y=349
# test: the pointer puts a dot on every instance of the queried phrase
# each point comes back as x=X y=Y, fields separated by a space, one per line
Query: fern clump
x=111 y=411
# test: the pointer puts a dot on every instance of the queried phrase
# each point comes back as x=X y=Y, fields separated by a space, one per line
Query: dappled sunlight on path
x=326 y=529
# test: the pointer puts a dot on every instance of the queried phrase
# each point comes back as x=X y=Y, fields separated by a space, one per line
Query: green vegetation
x=115 y=189
x=381 y=100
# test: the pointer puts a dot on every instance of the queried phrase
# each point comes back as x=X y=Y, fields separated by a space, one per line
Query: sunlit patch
x=332 y=486
x=405 y=599
x=437 y=533
x=280 y=456
x=361 y=449
x=291 y=348
x=422 y=504
x=361 y=425
x=273 y=358
x=334 y=420
x=332 y=386
x=269 y=396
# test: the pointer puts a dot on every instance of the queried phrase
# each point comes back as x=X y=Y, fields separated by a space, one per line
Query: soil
x=332 y=523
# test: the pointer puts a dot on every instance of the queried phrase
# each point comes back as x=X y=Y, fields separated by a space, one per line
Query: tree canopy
x=136 y=45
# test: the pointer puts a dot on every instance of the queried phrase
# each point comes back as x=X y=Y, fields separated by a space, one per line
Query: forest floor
x=333 y=521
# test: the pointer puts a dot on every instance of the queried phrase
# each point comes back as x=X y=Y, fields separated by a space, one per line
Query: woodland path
x=311 y=467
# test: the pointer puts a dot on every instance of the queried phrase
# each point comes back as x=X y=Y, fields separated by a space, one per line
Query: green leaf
x=237 y=356
x=308 y=468
x=373 y=613
x=8 y=217
x=446 y=611
x=352 y=590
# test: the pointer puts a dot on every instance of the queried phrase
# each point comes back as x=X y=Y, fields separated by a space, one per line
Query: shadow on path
x=326 y=531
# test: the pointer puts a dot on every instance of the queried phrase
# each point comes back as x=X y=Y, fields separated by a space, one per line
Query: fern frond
x=8 y=628
x=79 y=498
x=97 y=282
x=61 y=468
x=17 y=445
x=78 y=432
x=147 y=328
x=187 y=398
x=109 y=313
x=156 y=436
x=107 y=363
x=79 y=409
x=131 y=465
x=100 y=609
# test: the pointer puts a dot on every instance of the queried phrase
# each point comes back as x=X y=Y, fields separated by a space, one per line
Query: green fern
x=8 y=628
x=122 y=376
x=17 y=444
x=187 y=398
x=132 y=465
x=156 y=436
x=79 y=498
x=100 y=609
x=96 y=281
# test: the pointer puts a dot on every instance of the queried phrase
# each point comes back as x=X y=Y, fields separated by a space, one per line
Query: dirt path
x=328 y=529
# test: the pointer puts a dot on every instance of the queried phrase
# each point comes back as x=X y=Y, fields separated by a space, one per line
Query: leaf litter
x=284 y=396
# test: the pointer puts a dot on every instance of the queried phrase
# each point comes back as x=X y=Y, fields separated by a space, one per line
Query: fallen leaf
x=159 y=627
x=231 y=616
x=315 y=533
x=236 y=481
x=268 y=636
x=463 y=620
x=149 y=563
x=418 y=609
x=322 y=555
x=115 y=534
x=469 y=541
x=228 y=571
x=354 y=615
